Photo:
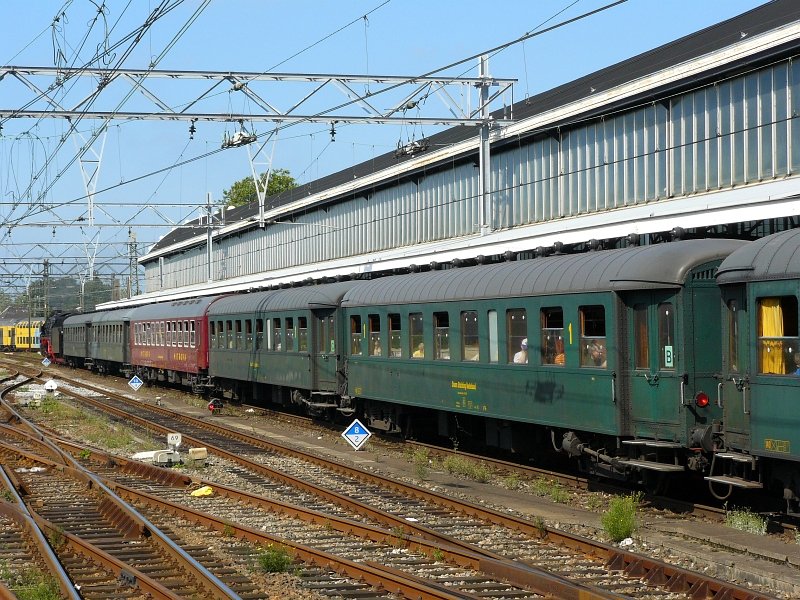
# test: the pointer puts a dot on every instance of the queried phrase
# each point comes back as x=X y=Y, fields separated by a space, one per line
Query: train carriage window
x=641 y=336
x=331 y=333
x=470 y=349
x=229 y=334
x=161 y=327
x=212 y=331
x=186 y=334
x=441 y=336
x=777 y=345
x=239 y=339
x=277 y=337
x=416 y=337
x=192 y=337
x=593 y=336
x=290 y=334
x=395 y=344
x=733 y=336
x=666 y=335
x=494 y=339
x=169 y=333
x=517 y=336
x=248 y=333
x=552 y=322
x=302 y=334
x=259 y=334
x=356 y=335
x=180 y=333
x=374 y=335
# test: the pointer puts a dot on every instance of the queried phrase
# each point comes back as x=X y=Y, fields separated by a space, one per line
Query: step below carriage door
x=655 y=378
x=323 y=357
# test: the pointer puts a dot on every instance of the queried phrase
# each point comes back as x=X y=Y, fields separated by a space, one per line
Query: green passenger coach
x=605 y=354
x=759 y=387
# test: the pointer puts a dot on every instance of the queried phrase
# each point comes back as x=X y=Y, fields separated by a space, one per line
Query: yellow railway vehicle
x=7 y=336
x=27 y=334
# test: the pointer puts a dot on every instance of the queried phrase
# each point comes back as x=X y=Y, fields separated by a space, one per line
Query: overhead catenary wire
x=526 y=36
x=499 y=48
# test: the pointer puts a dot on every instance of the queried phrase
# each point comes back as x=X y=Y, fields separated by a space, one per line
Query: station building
x=697 y=138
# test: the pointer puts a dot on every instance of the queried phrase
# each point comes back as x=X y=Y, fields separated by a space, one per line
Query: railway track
x=488 y=533
x=387 y=568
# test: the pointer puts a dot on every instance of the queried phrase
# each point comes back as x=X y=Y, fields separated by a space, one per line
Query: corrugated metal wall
x=734 y=132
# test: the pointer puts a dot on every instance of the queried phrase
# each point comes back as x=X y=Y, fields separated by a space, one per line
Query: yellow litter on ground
x=206 y=490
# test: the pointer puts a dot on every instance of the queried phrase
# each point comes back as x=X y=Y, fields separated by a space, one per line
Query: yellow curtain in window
x=770 y=326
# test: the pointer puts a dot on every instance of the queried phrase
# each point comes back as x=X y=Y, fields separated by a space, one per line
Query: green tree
x=244 y=191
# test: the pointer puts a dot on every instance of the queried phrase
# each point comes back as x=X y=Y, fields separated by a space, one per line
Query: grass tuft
x=275 y=559
x=746 y=521
x=619 y=521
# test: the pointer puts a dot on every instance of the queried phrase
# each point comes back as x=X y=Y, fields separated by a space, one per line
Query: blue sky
x=398 y=37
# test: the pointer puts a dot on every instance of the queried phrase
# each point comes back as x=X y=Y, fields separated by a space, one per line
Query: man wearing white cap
x=521 y=357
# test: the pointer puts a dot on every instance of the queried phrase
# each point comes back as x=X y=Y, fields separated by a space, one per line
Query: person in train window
x=797 y=363
x=420 y=351
x=597 y=354
x=376 y=348
x=560 y=359
x=521 y=357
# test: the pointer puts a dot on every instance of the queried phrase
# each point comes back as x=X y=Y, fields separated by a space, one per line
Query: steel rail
x=142 y=582
x=137 y=523
x=20 y=513
x=379 y=576
x=466 y=556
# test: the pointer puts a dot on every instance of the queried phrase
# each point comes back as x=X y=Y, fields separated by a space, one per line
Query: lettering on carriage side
x=463 y=385
x=777 y=445
x=467 y=404
x=254 y=364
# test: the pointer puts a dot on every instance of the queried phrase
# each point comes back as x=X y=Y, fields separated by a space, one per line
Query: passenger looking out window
x=395 y=347
x=521 y=357
x=593 y=336
x=374 y=335
x=552 y=321
x=516 y=333
x=416 y=335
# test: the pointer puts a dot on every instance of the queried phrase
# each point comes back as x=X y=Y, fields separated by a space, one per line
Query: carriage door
x=655 y=382
x=324 y=354
x=732 y=390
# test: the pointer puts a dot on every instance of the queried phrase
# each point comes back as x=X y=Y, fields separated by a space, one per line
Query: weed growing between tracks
x=91 y=428
x=274 y=559
x=744 y=520
x=619 y=521
x=30 y=583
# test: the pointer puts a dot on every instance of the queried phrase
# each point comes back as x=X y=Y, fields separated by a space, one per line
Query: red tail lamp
x=701 y=399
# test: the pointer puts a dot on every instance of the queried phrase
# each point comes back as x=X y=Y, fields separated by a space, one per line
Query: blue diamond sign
x=356 y=434
x=46 y=362
x=135 y=382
